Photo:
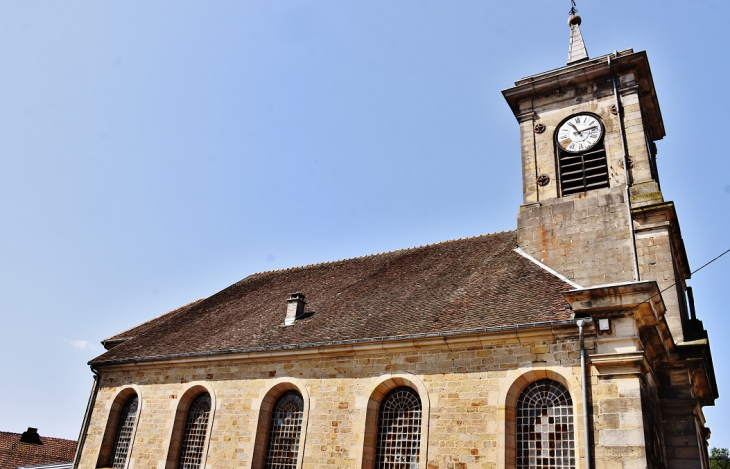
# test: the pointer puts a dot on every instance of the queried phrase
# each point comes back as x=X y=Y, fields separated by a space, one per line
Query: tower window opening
x=582 y=172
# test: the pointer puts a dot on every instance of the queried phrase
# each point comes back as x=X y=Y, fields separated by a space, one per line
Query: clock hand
x=580 y=132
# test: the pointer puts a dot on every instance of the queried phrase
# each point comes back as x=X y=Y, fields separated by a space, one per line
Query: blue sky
x=154 y=153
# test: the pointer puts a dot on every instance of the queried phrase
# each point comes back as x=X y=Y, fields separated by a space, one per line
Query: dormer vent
x=294 y=308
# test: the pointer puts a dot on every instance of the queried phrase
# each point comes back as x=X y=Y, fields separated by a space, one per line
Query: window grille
x=399 y=430
x=196 y=426
x=581 y=172
x=545 y=427
x=285 y=432
x=123 y=436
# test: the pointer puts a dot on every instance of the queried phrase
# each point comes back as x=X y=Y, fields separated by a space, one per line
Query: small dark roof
x=14 y=453
x=456 y=285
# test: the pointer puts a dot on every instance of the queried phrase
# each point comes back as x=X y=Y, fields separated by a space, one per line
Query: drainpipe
x=534 y=148
x=584 y=384
x=87 y=418
x=622 y=132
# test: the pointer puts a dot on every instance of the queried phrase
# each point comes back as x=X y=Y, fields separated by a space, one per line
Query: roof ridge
x=44 y=438
x=366 y=256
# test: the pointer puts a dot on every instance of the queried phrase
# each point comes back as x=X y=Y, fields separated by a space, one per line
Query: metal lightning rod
x=573 y=10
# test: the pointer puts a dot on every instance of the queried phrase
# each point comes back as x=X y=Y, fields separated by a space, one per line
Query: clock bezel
x=572 y=116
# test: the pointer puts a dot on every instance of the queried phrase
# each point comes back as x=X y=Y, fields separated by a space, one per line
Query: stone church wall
x=467 y=391
x=586 y=236
x=587 y=239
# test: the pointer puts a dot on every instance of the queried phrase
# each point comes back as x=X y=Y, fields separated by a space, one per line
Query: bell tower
x=592 y=206
x=593 y=211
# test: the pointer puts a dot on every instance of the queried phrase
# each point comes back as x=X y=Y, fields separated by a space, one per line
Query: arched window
x=285 y=430
x=196 y=427
x=582 y=164
x=545 y=427
x=399 y=430
x=123 y=436
x=116 y=444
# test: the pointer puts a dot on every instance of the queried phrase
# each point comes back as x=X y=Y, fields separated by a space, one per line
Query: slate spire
x=577 y=51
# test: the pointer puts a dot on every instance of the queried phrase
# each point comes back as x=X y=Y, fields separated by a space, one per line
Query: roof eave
x=410 y=340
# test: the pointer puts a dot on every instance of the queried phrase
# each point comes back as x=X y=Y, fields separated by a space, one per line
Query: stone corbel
x=695 y=358
x=629 y=89
x=526 y=116
x=641 y=301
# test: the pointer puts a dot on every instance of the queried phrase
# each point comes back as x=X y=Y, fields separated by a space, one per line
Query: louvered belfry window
x=399 y=430
x=582 y=172
x=285 y=431
x=196 y=427
x=123 y=435
x=545 y=427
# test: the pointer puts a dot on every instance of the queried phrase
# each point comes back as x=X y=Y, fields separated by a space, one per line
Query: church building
x=570 y=342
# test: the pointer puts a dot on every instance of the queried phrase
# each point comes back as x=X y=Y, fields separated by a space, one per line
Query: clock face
x=579 y=133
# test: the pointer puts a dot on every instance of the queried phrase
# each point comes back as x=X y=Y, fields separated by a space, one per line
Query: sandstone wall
x=467 y=391
x=587 y=239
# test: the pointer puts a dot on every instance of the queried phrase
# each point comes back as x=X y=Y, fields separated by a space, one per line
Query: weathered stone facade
x=588 y=237
x=465 y=382
x=469 y=384
x=619 y=234
x=611 y=323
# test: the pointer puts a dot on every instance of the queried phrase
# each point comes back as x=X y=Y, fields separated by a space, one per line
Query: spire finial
x=577 y=50
x=573 y=10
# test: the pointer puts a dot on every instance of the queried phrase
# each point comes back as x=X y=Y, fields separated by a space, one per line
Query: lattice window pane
x=123 y=436
x=196 y=427
x=545 y=427
x=399 y=430
x=285 y=432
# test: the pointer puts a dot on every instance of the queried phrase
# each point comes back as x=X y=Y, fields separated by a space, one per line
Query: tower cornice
x=520 y=97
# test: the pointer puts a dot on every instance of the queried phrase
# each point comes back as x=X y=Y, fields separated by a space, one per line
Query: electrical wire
x=670 y=286
x=713 y=260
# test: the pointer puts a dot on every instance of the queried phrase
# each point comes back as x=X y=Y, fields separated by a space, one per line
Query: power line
x=694 y=272
x=670 y=286
x=713 y=260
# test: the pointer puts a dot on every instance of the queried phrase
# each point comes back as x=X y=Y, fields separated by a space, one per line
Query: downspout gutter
x=584 y=384
x=622 y=132
x=87 y=418
x=534 y=148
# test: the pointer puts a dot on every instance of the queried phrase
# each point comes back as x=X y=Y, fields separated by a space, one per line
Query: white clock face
x=579 y=133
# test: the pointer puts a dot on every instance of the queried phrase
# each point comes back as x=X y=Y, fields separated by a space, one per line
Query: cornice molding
x=624 y=63
x=550 y=331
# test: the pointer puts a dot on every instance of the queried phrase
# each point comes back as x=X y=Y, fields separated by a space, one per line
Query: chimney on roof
x=31 y=436
x=294 y=308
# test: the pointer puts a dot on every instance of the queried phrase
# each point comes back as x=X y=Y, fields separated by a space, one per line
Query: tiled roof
x=13 y=453
x=451 y=286
x=115 y=340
